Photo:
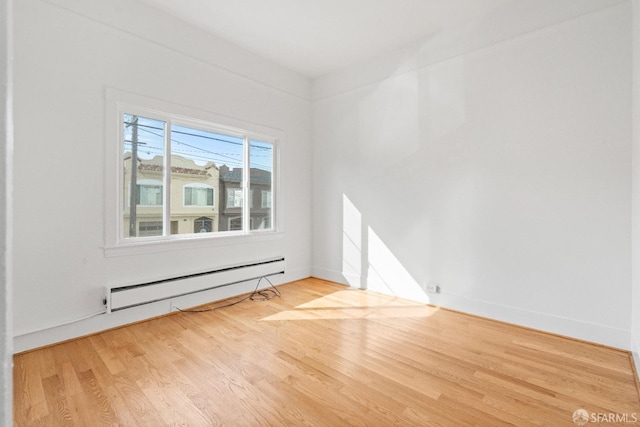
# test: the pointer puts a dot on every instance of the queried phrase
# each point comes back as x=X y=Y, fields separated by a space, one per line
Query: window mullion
x=166 y=187
x=246 y=182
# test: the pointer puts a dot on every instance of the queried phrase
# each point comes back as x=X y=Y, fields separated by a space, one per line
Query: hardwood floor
x=323 y=355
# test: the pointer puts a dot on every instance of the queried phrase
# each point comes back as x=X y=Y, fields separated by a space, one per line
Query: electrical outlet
x=433 y=288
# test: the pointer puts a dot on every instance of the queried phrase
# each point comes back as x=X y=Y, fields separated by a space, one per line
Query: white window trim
x=119 y=102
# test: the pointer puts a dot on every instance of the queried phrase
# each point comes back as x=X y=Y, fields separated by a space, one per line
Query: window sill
x=182 y=243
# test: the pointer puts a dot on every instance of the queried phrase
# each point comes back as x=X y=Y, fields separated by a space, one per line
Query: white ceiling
x=316 y=37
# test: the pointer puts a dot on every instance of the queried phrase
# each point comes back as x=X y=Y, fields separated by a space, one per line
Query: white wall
x=69 y=54
x=6 y=150
x=501 y=172
x=496 y=164
x=635 y=326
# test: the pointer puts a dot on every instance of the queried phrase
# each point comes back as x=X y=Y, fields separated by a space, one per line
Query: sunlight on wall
x=351 y=243
x=368 y=263
x=387 y=274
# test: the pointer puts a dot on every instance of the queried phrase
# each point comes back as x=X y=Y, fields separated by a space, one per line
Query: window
x=198 y=195
x=235 y=223
x=266 y=199
x=179 y=167
x=149 y=194
x=234 y=197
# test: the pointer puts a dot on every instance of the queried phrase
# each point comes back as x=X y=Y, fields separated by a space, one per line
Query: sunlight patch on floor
x=355 y=304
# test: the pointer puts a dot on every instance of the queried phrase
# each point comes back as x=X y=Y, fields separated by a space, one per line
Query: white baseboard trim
x=635 y=349
x=101 y=322
x=572 y=328
x=333 y=276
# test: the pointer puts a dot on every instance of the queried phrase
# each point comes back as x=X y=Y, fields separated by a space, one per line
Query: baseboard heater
x=123 y=297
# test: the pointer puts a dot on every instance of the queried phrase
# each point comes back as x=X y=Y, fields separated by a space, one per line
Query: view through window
x=181 y=179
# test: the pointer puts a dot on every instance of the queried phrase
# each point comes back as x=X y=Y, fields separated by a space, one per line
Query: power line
x=195 y=135
x=221 y=158
x=229 y=161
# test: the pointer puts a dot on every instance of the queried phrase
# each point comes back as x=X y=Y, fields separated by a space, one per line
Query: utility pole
x=134 y=178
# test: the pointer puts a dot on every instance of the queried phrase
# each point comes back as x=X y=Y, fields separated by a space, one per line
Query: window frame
x=120 y=103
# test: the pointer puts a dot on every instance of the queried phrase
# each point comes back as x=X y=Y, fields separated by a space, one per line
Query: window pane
x=143 y=165
x=235 y=223
x=149 y=195
x=261 y=162
x=198 y=196
x=234 y=197
x=266 y=199
x=203 y=165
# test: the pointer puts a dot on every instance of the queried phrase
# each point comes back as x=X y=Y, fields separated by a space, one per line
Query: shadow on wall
x=368 y=263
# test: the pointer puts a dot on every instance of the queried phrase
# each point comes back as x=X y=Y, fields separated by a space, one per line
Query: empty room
x=321 y=213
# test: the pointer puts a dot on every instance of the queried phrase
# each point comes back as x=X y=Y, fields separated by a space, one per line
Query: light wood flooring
x=322 y=355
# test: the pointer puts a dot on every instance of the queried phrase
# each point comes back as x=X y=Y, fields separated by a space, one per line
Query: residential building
x=194 y=203
x=260 y=194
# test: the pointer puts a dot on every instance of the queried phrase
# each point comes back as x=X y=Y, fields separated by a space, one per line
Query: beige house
x=194 y=205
